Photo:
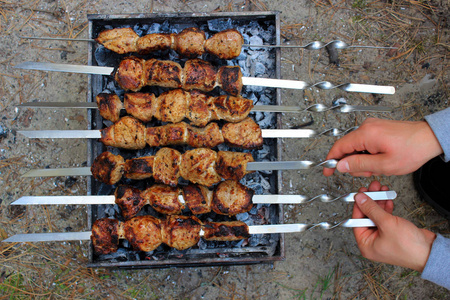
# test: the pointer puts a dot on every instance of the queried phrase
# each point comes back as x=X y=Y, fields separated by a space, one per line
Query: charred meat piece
x=164 y=199
x=226 y=44
x=164 y=73
x=207 y=137
x=232 y=109
x=153 y=42
x=140 y=105
x=143 y=233
x=199 y=75
x=105 y=236
x=108 y=168
x=172 y=106
x=232 y=198
x=230 y=79
x=139 y=168
x=170 y=134
x=199 y=110
x=198 y=166
x=119 y=40
x=130 y=74
x=246 y=134
x=130 y=200
x=109 y=106
x=197 y=198
x=189 y=42
x=127 y=133
x=166 y=168
x=225 y=231
x=232 y=165
x=181 y=232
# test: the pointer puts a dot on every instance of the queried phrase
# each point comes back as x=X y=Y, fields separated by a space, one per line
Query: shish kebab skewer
x=228 y=198
x=225 y=44
x=134 y=73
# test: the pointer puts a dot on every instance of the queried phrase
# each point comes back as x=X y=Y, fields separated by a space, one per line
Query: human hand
x=394 y=148
x=395 y=240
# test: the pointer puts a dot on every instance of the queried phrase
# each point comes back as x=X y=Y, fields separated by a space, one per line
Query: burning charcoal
x=264 y=183
x=261 y=154
x=165 y=27
x=255 y=40
x=105 y=57
x=259 y=69
x=154 y=28
x=220 y=24
x=120 y=255
x=268 y=34
x=268 y=121
x=140 y=29
x=254 y=240
x=242 y=217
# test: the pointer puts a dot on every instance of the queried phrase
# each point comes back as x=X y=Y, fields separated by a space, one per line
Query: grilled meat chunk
x=143 y=233
x=170 y=134
x=225 y=231
x=109 y=106
x=207 y=137
x=172 y=106
x=226 y=44
x=139 y=168
x=127 y=133
x=232 y=198
x=119 y=40
x=199 y=110
x=105 y=236
x=181 y=232
x=246 y=134
x=139 y=105
x=130 y=74
x=153 y=42
x=164 y=199
x=166 y=168
x=164 y=73
x=197 y=198
x=198 y=166
x=230 y=79
x=130 y=200
x=189 y=42
x=199 y=75
x=231 y=109
x=232 y=165
x=108 y=168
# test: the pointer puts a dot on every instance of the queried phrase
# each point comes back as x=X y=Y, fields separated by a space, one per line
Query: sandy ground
x=319 y=264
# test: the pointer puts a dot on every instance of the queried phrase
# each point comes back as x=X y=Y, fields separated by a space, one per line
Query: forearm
x=437 y=269
x=440 y=124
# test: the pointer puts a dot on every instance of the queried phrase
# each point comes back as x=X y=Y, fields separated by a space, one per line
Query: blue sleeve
x=440 y=124
x=437 y=269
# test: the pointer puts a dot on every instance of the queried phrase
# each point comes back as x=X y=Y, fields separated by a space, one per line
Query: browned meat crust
x=166 y=168
x=232 y=165
x=172 y=106
x=109 y=106
x=230 y=79
x=197 y=198
x=153 y=42
x=108 y=168
x=163 y=73
x=189 y=42
x=207 y=137
x=130 y=74
x=143 y=233
x=129 y=200
x=226 y=44
x=225 y=231
x=105 y=237
x=232 y=198
x=140 y=105
x=139 y=168
x=170 y=134
x=199 y=75
x=246 y=134
x=232 y=109
x=198 y=166
x=127 y=133
x=119 y=40
x=200 y=108
x=181 y=232
x=164 y=199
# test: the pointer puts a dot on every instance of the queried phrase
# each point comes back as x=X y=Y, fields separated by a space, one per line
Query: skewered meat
x=232 y=165
x=146 y=233
x=130 y=200
x=108 y=168
x=119 y=40
x=143 y=233
x=139 y=105
x=127 y=133
x=198 y=198
x=201 y=165
x=225 y=231
x=134 y=73
x=181 y=232
x=226 y=44
x=231 y=198
x=163 y=199
x=190 y=42
x=175 y=105
x=246 y=134
x=109 y=106
x=139 y=168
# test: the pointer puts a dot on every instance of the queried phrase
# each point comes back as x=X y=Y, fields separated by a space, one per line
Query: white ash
x=220 y=24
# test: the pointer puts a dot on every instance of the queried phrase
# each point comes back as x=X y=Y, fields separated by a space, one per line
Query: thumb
x=371 y=209
x=359 y=163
